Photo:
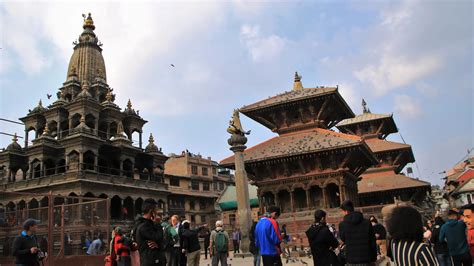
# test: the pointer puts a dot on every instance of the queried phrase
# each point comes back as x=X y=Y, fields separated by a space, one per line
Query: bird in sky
x=48 y=95
x=172 y=65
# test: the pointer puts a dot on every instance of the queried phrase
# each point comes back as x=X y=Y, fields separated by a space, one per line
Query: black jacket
x=321 y=240
x=439 y=247
x=191 y=240
x=21 y=250
x=147 y=230
x=380 y=230
x=358 y=236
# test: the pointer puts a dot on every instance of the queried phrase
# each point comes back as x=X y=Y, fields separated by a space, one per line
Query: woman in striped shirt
x=406 y=248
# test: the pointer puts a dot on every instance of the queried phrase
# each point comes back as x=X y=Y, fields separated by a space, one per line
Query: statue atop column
x=237 y=142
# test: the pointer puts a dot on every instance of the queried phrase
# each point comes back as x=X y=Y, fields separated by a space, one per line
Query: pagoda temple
x=383 y=183
x=83 y=144
x=307 y=165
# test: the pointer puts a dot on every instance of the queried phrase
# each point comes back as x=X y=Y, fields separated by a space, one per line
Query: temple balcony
x=84 y=172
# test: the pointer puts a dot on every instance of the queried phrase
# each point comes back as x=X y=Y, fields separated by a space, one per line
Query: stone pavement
x=299 y=261
x=249 y=261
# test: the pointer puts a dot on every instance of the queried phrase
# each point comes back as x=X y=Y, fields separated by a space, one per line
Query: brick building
x=195 y=184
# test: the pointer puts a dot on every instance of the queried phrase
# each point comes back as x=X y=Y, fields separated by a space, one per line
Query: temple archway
x=316 y=196
x=268 y=199
x=128 y=208
x=90 y=121
x=299 y=198
x=138 y=206
x=36 y=168
x=116 y=208
x=333 y=196
x=89 y=160
x=128 y=168
x=75 y=120
x=49 y=167
x=61 y=166
x=284 y=200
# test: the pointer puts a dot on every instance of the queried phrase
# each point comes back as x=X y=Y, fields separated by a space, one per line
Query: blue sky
x=412 y=58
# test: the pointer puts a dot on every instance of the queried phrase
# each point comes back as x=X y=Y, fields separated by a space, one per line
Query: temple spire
x=297 y=84
x=129 y=104
x=365 y=109
x=151 y=140
x=15 y=138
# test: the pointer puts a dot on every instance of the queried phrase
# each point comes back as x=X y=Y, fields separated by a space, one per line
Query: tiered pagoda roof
x=388 y=181
x=300 y=108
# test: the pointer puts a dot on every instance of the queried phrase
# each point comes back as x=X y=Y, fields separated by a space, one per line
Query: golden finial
x=120 y=129
x=46 y=130
x=151 y=140
x=129 y=104
x=108 y=96
x=297 y=85
x=40 y=103
x=15 y=138
x=88 y=22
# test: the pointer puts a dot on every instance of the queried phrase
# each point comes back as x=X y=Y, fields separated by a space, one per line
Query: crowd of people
x=166 y=240
x=406 y=241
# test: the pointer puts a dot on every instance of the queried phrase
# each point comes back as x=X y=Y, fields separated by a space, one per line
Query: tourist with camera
x=25 y=246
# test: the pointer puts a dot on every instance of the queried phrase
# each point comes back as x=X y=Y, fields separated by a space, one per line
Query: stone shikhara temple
x=83 y=145
x=310 y=166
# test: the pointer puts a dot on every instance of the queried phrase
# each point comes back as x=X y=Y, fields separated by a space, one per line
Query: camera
x=41 y=255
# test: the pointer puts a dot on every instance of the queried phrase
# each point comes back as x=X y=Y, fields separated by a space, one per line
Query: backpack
x=221 y=242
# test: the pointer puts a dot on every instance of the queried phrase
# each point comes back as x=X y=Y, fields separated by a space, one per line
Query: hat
x=30 y=222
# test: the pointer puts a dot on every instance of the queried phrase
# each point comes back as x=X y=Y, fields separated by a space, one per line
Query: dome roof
x=14 y=146
x=39 y=108
x=87 y=62
x=151 y=147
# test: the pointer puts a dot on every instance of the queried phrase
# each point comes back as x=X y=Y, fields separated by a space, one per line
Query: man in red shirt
x=468 y=217
x=122 y=248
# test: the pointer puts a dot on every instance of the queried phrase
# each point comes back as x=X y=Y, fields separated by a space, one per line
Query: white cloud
x=261 y=48
x=352 y=97
x=407 y=107
x=393 y=72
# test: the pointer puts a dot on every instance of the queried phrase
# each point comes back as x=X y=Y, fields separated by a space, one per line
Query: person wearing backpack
x=219 y=245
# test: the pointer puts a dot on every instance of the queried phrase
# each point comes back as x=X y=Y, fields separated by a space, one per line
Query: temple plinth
x=237 y=142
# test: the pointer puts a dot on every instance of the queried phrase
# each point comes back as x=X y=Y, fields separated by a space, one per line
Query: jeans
x=174 y=256
x=256 y=259
x=219 y=257
x=443 y=259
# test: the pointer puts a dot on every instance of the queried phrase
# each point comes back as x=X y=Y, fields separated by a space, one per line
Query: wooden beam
x=323 y=107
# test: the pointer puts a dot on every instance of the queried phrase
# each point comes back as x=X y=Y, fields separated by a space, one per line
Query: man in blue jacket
x=454 y=233
x=268 y=238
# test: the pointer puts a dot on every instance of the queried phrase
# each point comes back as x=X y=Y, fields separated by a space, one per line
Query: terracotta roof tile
x=377 y=183
x=290 y=96
x=362 y=118
x=379 y=145
x=300 y=142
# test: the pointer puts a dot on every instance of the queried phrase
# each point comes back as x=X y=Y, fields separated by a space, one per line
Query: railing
x=63 y=222
x=86 y=171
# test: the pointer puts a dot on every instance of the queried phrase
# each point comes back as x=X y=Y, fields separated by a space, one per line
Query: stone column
x=292 y=201
x=26 y=138
x=325 y=200
x=308 y=198
x=140 y=139
x=237 y=142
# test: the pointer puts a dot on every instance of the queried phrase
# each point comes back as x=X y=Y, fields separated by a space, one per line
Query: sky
x=410 y=58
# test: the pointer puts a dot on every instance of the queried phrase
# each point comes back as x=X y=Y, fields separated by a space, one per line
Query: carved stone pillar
x=292 y=200
x=237 y=142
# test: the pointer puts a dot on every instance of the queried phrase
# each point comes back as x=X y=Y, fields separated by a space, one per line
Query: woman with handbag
x=322 y=241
